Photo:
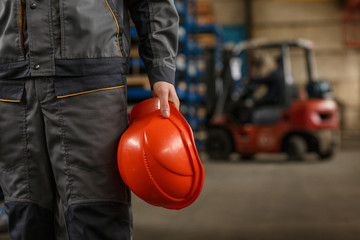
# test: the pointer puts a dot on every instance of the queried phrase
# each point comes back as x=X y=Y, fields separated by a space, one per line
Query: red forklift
x=301 y=122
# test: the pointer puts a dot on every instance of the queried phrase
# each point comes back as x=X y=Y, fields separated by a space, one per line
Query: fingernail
x=166 y=113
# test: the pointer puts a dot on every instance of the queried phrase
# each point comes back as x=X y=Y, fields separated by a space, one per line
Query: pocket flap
x=11 y=91
x=72 y=86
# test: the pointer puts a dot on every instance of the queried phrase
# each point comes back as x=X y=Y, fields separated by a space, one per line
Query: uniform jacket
x=84 y=44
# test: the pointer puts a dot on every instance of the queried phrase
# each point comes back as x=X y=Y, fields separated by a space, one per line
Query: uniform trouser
x=64 y=148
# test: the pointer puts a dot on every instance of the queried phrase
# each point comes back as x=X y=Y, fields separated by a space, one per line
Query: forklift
x=300 y=122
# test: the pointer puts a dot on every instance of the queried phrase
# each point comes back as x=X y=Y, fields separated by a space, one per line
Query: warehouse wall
x=229 y=12
x=317 y=20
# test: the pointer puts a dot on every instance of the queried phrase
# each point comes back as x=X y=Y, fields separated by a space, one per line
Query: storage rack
x=351 y=23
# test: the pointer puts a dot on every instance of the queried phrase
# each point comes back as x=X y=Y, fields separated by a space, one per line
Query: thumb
x=164 y=106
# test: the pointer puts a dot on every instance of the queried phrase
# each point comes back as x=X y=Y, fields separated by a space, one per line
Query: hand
x=166 y=92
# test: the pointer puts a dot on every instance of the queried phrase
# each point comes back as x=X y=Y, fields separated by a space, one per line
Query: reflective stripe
x=21 y=27
x=6 y=100
x=117 y=25
x=96 y=90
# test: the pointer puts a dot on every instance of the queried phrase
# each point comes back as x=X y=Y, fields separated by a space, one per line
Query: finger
x=173 y=98
x=164 y=104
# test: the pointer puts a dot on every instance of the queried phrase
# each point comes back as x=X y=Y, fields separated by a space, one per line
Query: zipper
x=118 y=28
x=21 y=27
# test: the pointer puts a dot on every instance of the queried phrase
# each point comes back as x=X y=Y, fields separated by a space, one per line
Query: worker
x=274 y=83
x=63 y=108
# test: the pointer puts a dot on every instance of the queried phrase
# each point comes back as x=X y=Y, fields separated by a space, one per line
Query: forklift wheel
x=218 y=144
x=296 y=148
x=247 y=157
x=326 y=155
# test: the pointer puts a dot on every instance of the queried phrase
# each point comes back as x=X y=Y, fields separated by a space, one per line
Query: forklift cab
x=253 y=60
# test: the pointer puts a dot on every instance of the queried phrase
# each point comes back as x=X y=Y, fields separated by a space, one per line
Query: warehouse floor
x=267 y=199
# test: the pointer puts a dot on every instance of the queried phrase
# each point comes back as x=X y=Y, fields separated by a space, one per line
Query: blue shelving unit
x=137 y=93
x=189 y=47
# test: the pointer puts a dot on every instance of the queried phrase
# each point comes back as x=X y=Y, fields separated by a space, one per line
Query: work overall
x=63 y=146
x=63 y=109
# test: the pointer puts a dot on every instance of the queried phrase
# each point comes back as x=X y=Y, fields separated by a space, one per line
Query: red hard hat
x=157 y=157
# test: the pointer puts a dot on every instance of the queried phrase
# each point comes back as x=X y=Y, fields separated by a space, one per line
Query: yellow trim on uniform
x=117 y=25
x=6 y=100
x=21 y=27
x=96 y=90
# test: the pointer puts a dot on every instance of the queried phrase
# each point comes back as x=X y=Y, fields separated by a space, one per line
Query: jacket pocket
x=90 y=29
x=11 y=91
x=93 y=119
x=12 y=125
x=73 y=86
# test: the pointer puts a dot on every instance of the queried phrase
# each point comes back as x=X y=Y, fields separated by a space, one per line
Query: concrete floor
x=267 y=199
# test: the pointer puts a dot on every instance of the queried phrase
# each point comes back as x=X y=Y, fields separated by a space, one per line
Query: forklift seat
x=267 y=115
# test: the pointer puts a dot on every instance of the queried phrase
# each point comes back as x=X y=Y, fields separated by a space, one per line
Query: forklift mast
x=288 y=78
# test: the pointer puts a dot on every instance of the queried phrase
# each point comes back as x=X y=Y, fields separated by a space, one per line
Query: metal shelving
x=192 y=76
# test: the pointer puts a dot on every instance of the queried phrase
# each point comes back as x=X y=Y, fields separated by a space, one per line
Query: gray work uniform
x=63 y=108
